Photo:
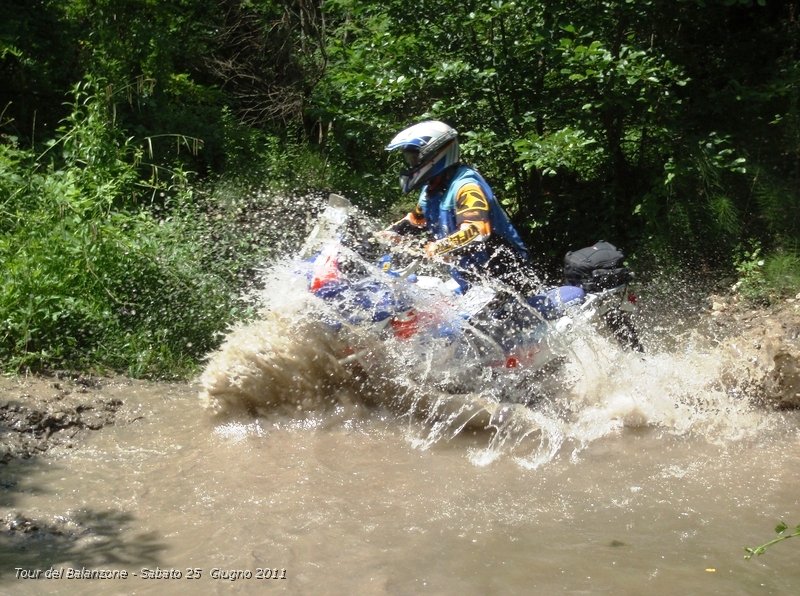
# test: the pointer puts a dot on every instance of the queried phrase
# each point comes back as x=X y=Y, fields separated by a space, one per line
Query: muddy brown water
x=345 y=501
x=634 y=474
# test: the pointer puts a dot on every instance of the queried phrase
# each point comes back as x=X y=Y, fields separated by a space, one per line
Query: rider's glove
x=430 y=250
x=438 y=247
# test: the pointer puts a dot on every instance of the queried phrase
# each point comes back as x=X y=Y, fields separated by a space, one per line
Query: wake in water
x=297 y=358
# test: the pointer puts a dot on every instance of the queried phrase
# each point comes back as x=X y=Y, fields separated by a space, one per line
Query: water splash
x=284 y=360
x=290 y=360
x=680 y=393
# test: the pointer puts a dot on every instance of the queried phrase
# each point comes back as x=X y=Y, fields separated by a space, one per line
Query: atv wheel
x=623 y=330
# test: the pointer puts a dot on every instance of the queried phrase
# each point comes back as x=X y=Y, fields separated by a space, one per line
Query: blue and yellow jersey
x=465 y=212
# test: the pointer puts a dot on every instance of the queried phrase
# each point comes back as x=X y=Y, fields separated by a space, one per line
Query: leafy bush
x=92 y=277
x=762 y=278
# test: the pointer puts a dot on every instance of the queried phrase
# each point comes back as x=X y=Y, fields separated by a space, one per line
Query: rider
x=458 y=209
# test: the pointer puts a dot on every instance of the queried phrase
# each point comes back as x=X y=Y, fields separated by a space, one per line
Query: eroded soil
x=769 y=339
x=40 y=413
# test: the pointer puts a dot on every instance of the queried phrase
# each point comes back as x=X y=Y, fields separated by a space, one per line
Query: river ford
x=347 y=501
x=632 y=474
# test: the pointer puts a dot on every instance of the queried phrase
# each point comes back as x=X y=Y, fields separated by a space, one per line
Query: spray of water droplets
x=301 y=356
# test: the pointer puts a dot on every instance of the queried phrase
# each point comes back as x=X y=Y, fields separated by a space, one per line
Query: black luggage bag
x=596 y=267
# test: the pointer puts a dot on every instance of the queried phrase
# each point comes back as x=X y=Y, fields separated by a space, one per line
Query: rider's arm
x=472 y=221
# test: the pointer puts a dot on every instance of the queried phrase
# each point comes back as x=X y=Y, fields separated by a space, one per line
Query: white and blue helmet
x=429 y=148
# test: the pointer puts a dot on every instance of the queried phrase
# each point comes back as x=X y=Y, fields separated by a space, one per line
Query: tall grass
x=103 y=266
x=764 y=278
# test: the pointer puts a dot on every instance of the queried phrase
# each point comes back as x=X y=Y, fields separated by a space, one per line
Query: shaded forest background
x=143 y=143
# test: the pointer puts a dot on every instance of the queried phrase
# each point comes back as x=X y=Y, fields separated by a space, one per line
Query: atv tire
x=622 y=328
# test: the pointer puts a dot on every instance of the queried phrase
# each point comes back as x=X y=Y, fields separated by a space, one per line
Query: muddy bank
x=47 y=417
x=40 y=413
x=768 y=339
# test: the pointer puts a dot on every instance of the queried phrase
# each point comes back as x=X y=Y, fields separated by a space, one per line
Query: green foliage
x=750 y=268
x=702 y=206
x=641 y=122
x=781 y=531
x=566 y=149
x=777 y=205
x=37 y=64
x=264 y=160
x=92 y=279
x=782 y=271
x=763 y=278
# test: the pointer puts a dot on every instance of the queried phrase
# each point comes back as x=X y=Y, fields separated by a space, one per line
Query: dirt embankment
x=40 y=413
x=768 y=338
x=57 y=412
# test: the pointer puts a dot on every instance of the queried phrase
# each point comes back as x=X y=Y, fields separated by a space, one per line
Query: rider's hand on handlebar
x=438 y=251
